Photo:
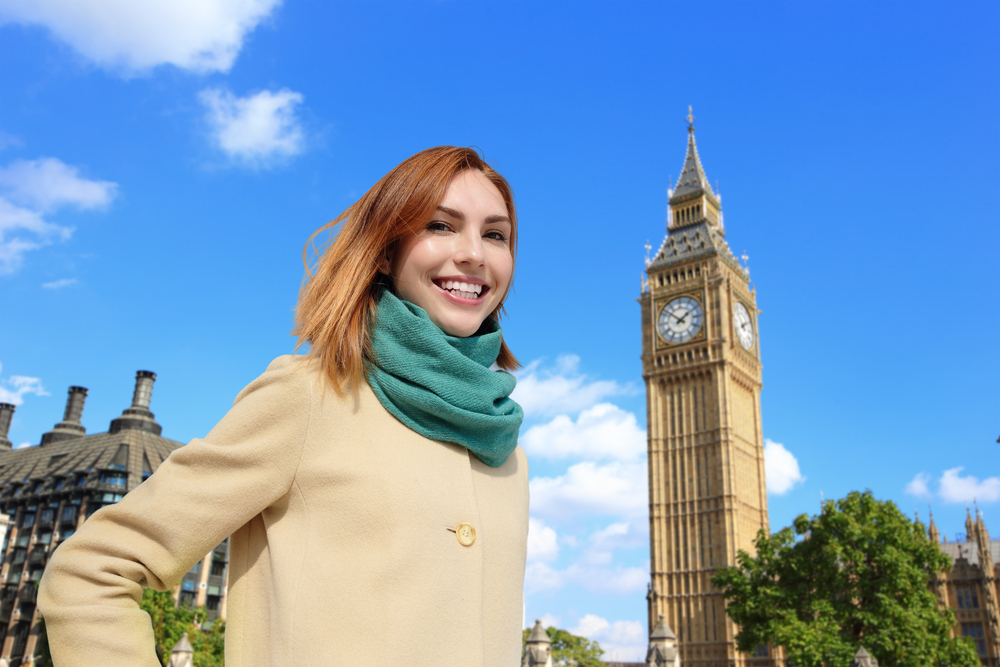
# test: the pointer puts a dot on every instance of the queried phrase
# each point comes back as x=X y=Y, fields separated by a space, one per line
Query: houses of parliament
x=701 y=365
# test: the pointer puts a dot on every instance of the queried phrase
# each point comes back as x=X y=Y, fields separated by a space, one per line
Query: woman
x=376 y=497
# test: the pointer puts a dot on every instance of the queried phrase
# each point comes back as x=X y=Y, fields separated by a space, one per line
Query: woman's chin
x=459 y=327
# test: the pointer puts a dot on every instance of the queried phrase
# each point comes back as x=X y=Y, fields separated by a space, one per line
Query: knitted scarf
x=441 y=386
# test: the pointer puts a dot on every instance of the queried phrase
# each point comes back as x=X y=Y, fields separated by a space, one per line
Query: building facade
x=48 y=491
x=702 y=371
x=972 y=587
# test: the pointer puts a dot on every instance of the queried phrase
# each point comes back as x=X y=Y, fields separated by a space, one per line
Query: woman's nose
x=470 y=249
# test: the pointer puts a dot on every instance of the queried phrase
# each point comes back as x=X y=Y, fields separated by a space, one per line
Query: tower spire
x=692 y=200
x=692 y=180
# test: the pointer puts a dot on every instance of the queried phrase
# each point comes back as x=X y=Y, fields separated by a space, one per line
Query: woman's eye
x=437 y=226
x=496 y=236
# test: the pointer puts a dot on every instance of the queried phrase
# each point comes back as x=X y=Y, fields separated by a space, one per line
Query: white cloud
x=549 y=621
x=918 y=486
x=543 y=543
x=29 y=189
x=47 y=183
x=197 y=35
x=14 y=389
x=954 y=488
x=781 y=468
x=599 y=578
x=622 y=641
x=621 y=535
x=255 y=130
x=587 y=489
x=589 y=625
x=540 y=577
x=561 y=389
x=59 y=284
x=22 y=445
x=604 y=431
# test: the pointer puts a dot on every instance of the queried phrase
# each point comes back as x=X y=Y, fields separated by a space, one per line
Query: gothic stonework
x=702 y=370
x=972 y=587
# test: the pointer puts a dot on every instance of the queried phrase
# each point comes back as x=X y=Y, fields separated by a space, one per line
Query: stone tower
x=537 y=648
x=701 y=366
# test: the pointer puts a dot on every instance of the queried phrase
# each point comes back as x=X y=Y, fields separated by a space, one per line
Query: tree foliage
x=856 y=574
x=567 y=647
x=170 y=622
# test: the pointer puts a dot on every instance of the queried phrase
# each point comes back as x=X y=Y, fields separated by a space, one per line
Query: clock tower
x=701 y=366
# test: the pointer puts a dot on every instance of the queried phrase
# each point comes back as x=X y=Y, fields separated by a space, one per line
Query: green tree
x=856 y=574
x=170 y=622
x=209 y=645
x=566 y=646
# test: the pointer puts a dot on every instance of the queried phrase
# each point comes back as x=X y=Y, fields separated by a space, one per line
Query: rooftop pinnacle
x=692 y=180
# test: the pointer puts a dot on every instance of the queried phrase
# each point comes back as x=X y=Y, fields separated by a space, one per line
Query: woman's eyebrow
x=461 y=216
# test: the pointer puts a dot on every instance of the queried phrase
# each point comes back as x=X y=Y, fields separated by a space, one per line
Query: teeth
x=465 y=290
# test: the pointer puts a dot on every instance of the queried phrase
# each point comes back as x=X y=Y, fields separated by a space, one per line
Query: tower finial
x=690 y=119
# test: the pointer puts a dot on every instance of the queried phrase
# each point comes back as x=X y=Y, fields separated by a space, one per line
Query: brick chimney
x=6 y=414
x=138 y=416
x=70 y=427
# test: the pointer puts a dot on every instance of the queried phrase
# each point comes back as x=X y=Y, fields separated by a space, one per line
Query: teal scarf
x=441 y=386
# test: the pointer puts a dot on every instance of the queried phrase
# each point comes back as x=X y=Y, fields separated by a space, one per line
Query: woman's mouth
x=471 y=291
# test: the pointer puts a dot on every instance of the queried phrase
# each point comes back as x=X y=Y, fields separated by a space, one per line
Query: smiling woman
x=459 y=266
x=389 y=513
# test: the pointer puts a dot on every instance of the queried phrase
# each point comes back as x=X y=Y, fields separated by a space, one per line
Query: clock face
x=680 y=320
x=744 y=325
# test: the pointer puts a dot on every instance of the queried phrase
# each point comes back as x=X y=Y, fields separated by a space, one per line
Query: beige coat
x=343 y=547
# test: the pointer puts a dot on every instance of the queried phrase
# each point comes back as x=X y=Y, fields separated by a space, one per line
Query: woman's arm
x=90 y=592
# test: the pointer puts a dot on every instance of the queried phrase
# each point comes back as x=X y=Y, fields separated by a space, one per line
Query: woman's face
x=458 y=266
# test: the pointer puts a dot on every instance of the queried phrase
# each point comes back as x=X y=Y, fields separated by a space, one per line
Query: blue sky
x=161 y=168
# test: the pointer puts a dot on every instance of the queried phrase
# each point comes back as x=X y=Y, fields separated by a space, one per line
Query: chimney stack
x=6 y=414
x=70 y=427
x=138 y=416
x=74 y=405
x=143 y=390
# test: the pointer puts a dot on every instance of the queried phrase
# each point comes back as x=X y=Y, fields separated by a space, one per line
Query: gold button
x=466 y=534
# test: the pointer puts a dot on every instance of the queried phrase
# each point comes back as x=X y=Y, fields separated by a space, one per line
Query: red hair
x=337 y=303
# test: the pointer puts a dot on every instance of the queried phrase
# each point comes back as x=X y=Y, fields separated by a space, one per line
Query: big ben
x=702 y=371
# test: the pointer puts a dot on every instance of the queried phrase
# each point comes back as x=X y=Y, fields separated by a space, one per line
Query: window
x=121 y=458
x=113 y=478
x=69 y=514
x=81 y=480
x=218 y=568
x=14 y=576
x=212 y=603
x=44 y=538
x=28 y=520
x=967 y=597
x=23 y=540
x=111 y=498
x=974 y=631
x=187 y=585
x=18 y=556
x=46 y=517
x=66 y=533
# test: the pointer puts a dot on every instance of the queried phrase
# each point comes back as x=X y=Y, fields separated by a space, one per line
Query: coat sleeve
x=204 y=491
